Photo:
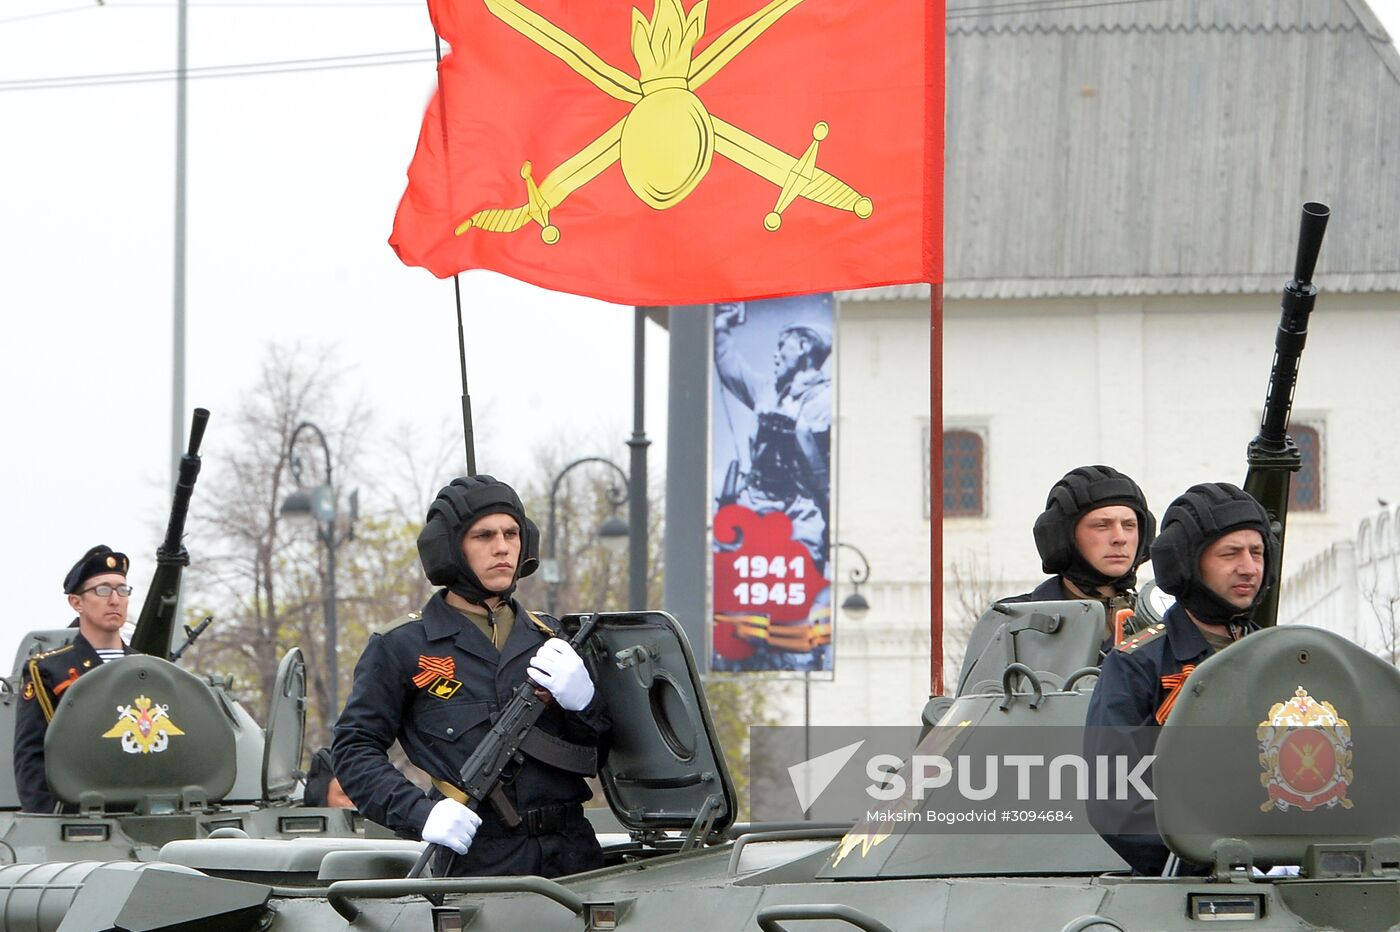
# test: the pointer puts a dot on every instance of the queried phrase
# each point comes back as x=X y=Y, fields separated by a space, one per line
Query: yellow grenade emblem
x=668 y=140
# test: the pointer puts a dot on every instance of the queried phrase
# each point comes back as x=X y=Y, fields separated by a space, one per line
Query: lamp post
x=637 y=486
x=318 y=504
x=609 y=531
x=855 y=604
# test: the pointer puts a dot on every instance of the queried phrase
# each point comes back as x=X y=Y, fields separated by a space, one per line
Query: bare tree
x=261 y=579
x=593 y=575
x=975 y=587
x=1387 y=613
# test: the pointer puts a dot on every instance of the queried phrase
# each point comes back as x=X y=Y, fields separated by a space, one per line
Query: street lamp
x=855 y=604
x=612 y=531
x=318 y=505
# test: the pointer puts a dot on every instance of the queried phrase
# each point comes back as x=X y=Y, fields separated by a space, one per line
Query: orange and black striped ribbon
x=430 y=668
x=1173 y=684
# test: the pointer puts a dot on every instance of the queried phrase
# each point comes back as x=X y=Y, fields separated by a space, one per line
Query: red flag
x=730 y=151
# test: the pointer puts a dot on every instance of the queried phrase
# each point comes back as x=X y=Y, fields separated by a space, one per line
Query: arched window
x=1305 y=491
x=962 y=474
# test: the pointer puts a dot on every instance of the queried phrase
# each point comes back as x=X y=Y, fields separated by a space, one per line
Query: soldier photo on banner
x=771 y=483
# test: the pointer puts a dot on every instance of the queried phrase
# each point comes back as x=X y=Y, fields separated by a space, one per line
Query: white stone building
x=1124 y=183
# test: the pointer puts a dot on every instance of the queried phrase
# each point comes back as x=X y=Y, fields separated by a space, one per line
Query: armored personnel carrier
x=683 y=857
x=141 y=751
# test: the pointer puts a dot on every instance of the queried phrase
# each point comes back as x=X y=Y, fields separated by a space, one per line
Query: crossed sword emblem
x=668 y=139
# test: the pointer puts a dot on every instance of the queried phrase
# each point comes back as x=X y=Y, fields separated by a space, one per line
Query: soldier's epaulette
x=44 y=655
x=546 y=623
x=408 y=619
x=1142 y=637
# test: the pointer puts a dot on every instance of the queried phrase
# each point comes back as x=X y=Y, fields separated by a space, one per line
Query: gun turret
x=1272 y=455
x=157 y=620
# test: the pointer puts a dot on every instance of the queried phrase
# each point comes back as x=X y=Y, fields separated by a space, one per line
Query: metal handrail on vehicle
x=1088 y=921
x=814 y=833
x=342 y=892
x=1012 y=669
x=1077 y=675
x=770 y=917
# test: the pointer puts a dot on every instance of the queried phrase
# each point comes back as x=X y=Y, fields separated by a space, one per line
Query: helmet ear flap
x=1147 y=533
x=438 y=551
x=529 y=549
x=1052 y=541
x=1171 y=559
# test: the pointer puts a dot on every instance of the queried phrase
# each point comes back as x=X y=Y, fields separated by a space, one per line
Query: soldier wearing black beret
x=97 y=591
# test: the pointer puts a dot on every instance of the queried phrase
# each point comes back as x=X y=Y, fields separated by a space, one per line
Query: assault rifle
x=191 y=635
x=481 y=774
x=153 y=628
x=1272 y=455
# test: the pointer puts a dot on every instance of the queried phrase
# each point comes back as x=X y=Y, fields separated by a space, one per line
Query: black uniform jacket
x=435 y=683
x=1134 y=683
x=1052 y=590
x=46 y=677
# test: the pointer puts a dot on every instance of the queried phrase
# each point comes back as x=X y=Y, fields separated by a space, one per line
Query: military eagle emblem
x=143 y=727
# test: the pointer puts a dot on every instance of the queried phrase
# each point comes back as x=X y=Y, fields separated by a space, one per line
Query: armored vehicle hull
x=867 y=875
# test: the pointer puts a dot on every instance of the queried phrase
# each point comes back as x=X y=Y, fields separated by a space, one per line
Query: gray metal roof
x=1166 y=146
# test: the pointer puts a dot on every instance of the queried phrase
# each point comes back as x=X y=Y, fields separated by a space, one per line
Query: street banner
x=771 y=404
x=730 y=150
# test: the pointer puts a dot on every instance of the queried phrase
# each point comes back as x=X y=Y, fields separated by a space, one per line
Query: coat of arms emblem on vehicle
x=1305 y=753
x=668 y=139
x=144 y=727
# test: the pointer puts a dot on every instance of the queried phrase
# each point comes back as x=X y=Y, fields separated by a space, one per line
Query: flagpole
x=935 y=25
x=935 y=497
x=468 y=435
x=177 y=352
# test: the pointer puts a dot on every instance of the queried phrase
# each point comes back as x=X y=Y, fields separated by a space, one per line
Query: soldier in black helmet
x=97 y=590
x=1093 y=535
x=1218 y=555
x=435 y=681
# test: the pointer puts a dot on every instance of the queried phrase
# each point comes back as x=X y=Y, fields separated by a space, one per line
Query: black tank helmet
x=1078 y=493
x=1200 y=515
x=457 y=507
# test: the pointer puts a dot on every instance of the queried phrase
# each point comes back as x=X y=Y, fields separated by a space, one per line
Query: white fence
x=1353 y=587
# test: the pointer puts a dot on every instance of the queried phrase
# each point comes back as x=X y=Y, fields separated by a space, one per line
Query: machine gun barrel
x=157 y=619
x=1299 y=294
x=1272 y=455
x=481 y=774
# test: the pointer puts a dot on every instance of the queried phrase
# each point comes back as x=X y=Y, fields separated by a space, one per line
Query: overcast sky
x=293 y=179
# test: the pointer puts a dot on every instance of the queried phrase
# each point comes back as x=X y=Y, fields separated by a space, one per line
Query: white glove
x=559 y=669
x=451 y=824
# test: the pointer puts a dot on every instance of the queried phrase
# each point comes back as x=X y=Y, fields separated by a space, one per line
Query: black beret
x=100 y=559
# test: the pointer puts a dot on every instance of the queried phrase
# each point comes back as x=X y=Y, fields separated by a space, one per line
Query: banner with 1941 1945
x=772 y=394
